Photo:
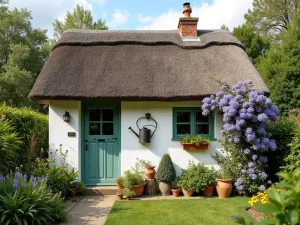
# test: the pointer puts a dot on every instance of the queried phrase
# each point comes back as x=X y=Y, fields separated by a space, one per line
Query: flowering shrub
x=24 y=201
x=245 y=114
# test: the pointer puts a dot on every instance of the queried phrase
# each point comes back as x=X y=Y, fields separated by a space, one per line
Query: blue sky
x=133 y=14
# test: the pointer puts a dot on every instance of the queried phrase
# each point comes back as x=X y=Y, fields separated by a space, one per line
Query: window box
x=193 y=147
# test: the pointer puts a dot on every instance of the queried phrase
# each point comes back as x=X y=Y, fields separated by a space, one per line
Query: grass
x=173 y=212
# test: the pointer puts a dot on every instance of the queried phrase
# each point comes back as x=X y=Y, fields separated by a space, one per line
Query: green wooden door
x=101 y=143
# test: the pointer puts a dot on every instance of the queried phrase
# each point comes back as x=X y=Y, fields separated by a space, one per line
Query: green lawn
x=183 y=212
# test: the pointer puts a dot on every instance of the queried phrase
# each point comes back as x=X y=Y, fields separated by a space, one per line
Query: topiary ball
x=166 y=171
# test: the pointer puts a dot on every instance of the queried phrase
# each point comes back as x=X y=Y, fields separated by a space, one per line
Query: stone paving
x=90 y=210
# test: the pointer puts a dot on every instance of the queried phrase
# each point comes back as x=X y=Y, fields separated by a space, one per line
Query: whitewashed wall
x=58 y=131
x=161 y=142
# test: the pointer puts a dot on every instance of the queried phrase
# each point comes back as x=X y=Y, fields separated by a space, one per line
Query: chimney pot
x=188 y=25
x=187 y=9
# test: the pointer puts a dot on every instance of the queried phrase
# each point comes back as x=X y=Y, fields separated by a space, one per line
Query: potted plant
x=192 y=143
x=210 y=180
x=119 y=195
x=127 y=192
x=134 y=181
x=150 y=171
x=77 y=187
x=166 y=174
x=175 y=192
x=224 y=184
x=120 y=181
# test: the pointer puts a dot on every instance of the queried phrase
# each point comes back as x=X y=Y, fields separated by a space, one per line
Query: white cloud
x=118 y=17
x=144 y=19
x=45 y=12
x=229 y=12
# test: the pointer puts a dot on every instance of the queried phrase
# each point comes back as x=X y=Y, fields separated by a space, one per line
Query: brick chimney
x=188 y=25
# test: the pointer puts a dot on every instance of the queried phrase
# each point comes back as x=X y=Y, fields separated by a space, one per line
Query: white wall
x=58 y=131
x=161 y=142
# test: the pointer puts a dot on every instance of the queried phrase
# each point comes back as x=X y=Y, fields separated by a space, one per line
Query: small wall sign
x=71 y=134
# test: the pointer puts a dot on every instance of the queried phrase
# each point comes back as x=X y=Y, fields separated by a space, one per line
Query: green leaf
x=293 y=217
x=270 y=221
x=267 y=208
x=238 y=219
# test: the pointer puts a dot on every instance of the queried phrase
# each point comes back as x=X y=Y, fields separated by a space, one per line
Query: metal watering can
x=144 y=133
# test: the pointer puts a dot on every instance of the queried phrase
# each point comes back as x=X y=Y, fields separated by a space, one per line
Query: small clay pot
x=209 y=190
x=175 y=192
x=224 y=187
x=150 y=172
x=73 y=192
x=119 y=197
x=187 y=193
x=119 y=186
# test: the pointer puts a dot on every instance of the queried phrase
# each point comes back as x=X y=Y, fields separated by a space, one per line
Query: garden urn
x=187 y=192
x=150 y=172
x=224 y=187
x=165 y=187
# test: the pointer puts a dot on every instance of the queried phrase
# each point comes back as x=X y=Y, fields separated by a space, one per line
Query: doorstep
x=100 y=190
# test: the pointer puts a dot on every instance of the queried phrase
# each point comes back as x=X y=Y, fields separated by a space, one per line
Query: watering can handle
x=137 y=124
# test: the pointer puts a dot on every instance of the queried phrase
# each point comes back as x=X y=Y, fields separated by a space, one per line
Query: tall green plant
x=166 y=171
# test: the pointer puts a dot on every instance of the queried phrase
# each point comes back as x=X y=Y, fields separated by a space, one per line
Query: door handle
x=86 y=145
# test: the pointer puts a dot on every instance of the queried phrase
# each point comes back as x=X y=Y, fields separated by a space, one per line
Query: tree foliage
x=78 y=19
x=254 y=43
x=272 y=16
x=280 y=68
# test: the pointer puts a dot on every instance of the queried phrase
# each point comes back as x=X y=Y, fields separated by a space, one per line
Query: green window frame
x=192 y=123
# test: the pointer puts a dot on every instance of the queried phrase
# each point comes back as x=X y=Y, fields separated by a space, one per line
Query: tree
x=280 y=68
x=225 y=27
x=272 y=16
x=78 y=19
x=22 y=55
x=254 y=43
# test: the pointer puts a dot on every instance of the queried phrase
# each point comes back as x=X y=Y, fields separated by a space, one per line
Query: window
x=190 y=121
x=101 y=122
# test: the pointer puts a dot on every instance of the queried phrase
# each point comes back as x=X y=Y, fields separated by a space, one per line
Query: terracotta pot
x=165 y=187
x=73 y=192
x=150 y=172
x=175 y=192
x=138 y=189
x=119 y=186
x=192 y=147
x=119 y=197
x=187 y=193
x=224 y=187
x=209 y=190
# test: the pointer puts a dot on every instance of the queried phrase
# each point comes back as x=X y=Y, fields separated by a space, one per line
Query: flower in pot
x=175 y=192
x=210 y=180
x=127 y=192
x=196 y=142
x=224 y=185
x=166 y=174
x=119 y=195
x=120 y=181
x=78 y=186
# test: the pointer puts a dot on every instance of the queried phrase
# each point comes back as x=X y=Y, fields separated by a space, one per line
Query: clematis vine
x=245 y=114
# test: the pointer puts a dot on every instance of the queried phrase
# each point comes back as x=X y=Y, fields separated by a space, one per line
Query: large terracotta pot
x=165 y=187
x=176 y=192
x=150 y=172
x=187 y=193
x=138 y=189
x=209 y=190
x=224 y=187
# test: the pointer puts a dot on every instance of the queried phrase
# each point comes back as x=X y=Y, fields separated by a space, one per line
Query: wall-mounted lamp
x=67 y=117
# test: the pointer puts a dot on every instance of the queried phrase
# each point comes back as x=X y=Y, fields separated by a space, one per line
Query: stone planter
x=224 y=187
x=165 y=187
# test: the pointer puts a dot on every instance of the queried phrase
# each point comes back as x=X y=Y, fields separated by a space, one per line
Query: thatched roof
x=142 y=65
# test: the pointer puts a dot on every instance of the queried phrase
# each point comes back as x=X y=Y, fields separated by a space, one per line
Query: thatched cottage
x=99 y=83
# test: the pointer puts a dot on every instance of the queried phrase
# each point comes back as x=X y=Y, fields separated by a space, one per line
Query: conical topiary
x=166 y=171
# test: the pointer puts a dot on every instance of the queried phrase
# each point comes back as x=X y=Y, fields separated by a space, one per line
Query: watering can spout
x=134 y=132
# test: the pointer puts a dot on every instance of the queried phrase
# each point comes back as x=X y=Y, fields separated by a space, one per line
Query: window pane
x=95 y=114
x=107 y=128
x=183 y=129
x=94 y=128
x=201 y=118
x=183 y=117
x=108 y=114
x=202 y=129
